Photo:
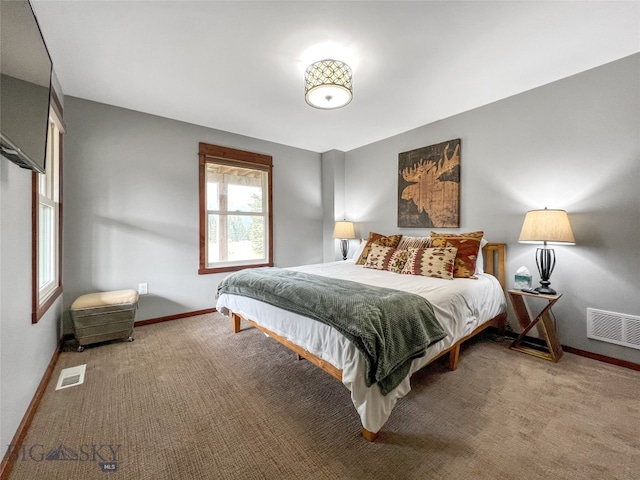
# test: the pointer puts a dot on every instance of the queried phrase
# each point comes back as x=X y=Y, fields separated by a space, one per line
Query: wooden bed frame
x=494 y=264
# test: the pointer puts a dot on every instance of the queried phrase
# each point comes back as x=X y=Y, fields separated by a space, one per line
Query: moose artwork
x=429 y=186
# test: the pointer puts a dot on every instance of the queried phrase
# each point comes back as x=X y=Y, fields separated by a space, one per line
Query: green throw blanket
x=389 y=327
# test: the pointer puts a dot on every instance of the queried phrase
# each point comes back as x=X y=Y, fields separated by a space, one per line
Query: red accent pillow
x=467 y=244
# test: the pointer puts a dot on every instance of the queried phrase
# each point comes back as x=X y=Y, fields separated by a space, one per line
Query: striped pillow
x=413 y=242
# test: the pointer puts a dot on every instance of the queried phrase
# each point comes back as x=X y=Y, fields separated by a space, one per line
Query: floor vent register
x=70 y=377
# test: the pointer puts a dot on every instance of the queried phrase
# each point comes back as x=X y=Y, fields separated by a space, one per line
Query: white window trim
x=47 y=190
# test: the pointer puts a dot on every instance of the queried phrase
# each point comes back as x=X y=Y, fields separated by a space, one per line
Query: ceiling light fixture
x=328 y=84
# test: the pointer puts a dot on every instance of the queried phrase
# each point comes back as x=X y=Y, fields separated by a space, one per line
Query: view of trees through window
x=236 y=213
x=236 y=218
x=245 y=236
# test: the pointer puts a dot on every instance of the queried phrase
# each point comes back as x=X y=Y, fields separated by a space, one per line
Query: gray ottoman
x=102 y=316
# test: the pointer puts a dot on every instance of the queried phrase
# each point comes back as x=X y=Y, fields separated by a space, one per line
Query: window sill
x=207 y=271
x=39 y=312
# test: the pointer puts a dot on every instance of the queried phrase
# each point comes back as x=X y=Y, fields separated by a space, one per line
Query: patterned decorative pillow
x=467 y=244
x=413 y=242
x=378 y=256
x=397 y=261
x=377 y=239
x=431 y=262
x=386 y=258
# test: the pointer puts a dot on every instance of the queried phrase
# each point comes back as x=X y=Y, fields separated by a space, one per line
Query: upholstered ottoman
x=102 y=316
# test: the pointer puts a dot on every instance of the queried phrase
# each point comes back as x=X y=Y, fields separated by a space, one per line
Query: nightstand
x=544 y=320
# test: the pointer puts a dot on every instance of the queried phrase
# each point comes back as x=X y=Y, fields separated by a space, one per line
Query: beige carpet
x=190 y=400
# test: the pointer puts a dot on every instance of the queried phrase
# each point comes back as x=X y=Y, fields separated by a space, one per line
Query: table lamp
x=344 y=231
x=546 y=226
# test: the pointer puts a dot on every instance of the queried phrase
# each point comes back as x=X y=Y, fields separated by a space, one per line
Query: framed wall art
x=429 y=186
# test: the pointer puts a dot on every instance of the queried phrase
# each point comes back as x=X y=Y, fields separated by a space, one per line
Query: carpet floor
x=188 y=399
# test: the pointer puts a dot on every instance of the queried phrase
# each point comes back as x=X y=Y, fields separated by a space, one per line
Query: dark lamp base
x=344 y=248
x=546 y=290
x=545 y=260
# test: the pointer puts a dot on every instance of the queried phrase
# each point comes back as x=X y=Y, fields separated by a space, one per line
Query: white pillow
x=480 y=260
x=358 y=252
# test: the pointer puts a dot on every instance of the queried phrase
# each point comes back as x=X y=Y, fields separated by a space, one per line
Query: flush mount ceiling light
x=328 y=84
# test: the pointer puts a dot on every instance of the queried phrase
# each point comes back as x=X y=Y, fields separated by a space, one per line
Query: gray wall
x=131 y=206
x=332 y=201
x=573 y=144
x=25 y=348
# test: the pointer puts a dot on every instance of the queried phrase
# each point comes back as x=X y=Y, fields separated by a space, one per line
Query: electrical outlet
x=143 y=288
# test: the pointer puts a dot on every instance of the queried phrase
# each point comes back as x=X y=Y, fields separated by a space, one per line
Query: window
x=47 y=236
x=235 y=209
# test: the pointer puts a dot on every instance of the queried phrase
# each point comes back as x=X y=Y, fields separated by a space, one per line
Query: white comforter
x=460 y=305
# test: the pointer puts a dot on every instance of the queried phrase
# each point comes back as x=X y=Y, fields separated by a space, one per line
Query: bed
x=464 y=308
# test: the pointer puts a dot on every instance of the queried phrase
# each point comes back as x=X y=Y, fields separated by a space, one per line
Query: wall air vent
x=613 y=327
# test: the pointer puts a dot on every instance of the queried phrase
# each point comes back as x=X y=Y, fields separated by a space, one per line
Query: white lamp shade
x=344 y=230
x=546 y=226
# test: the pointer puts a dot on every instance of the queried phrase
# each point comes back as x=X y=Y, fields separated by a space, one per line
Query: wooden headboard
x=494 y=261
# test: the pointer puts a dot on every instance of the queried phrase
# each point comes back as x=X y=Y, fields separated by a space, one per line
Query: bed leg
x=454 y=356
x=235 y=319
x=369 y=436
x=502 y=325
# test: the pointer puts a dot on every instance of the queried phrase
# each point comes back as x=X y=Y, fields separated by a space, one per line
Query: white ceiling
x=238 y=66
